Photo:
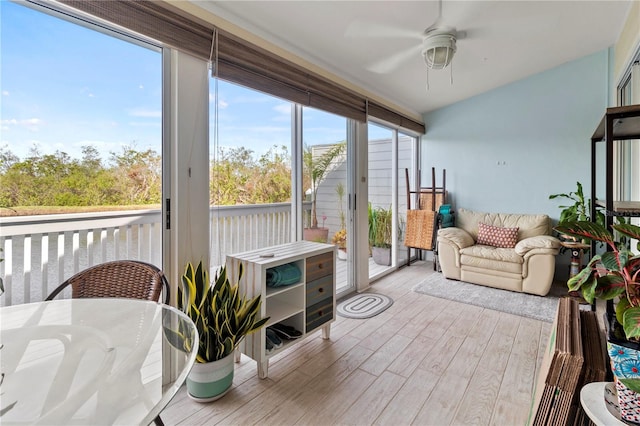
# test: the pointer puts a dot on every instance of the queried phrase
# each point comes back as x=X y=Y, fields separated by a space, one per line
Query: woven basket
x=419 y=229
x=426 y=200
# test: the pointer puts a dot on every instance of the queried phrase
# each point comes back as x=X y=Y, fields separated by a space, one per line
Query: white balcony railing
x=42 y=251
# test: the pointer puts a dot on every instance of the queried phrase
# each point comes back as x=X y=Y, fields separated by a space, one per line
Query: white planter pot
x=211 y=380
x=342 y=254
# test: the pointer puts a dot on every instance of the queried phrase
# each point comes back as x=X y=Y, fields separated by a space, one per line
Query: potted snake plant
x=223 y=316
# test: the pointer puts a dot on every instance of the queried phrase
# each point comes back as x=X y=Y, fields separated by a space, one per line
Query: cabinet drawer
x=319 y=266
x=318 y=314
x=319 y=289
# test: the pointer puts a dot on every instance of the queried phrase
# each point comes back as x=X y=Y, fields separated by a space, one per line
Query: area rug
x=364 y=305
x=527 y=305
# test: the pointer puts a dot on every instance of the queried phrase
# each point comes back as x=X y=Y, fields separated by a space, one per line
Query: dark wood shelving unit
x=618 y=123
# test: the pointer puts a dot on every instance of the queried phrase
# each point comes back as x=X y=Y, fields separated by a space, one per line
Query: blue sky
x=64 y=86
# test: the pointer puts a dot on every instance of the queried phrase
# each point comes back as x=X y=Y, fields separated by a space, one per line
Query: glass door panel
x=382 y=231
x=326 y=185
x=250 y=173
x=407 y=146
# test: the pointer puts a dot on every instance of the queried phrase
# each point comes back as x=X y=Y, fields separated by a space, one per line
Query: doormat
x=365 y=305
x=542 y=308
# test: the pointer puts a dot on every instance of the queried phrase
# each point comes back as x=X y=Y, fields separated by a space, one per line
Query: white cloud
x=32 y=124
x=5 y=93
x=141 y=86
x=222 y=104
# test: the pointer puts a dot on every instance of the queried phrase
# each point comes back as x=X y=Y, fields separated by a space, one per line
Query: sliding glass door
x=326 y=183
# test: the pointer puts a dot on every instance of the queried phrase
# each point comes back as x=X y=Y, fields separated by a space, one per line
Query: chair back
x=121 y=278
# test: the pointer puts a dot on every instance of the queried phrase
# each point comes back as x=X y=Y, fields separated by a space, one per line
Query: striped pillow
x=496 y=236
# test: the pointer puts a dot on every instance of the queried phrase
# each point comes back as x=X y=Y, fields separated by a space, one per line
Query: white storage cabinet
x=308 y=305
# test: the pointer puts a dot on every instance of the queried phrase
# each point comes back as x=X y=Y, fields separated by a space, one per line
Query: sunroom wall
x=508 y=149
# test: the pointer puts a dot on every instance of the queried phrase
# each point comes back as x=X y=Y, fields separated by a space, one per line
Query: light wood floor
x=424 y=361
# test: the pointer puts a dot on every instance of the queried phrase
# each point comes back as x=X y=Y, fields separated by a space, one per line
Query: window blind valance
x=383 y=113
x=244 y=63
x=152 y=20
x=240 y=61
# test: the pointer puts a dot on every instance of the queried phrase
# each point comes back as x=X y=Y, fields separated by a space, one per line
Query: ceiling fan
x=438 y=46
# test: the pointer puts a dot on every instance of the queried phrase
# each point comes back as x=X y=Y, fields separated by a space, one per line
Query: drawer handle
x=320 y=313
x=320 y=290
x=320 y=266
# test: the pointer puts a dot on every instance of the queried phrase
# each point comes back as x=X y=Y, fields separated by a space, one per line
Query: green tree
x=230 y=172
x=138 y=176
x=272 y=182
x=316 y=168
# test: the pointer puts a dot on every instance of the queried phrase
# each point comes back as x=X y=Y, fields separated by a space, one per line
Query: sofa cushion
x=530 y=225
x=497 y=236
x=492 y=258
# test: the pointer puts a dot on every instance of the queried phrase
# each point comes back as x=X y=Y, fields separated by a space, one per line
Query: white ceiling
x=506 y=40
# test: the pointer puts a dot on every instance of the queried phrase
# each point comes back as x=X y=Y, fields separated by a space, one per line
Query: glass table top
x=92 y=361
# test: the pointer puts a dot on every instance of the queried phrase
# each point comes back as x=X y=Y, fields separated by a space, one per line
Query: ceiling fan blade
x=392 y=62
x=366 y=29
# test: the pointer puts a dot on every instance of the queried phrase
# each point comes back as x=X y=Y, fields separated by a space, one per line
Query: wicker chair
x=130 y=279
x=121 y=278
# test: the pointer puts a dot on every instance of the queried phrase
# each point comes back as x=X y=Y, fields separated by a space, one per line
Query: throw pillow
x=496 y=236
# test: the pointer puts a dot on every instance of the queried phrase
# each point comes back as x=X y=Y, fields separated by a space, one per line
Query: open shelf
x=274 y=291
x=622 y=208
x=279 y=310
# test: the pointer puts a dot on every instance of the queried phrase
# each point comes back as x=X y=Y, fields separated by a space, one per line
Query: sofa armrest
x=456 y=236
x=544 y=244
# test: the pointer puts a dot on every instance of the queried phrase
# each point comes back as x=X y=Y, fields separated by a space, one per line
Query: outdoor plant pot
x=342 y=254
x=625 y=364
x=209 y=381
x=381 y=255
x=318 y=235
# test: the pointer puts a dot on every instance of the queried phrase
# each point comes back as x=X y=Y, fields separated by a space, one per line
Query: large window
x=250 y=180
x=81 y=115
x=82 y=133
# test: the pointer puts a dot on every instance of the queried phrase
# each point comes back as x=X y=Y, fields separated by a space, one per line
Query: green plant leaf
x=631 y=322
x=632 y=231
x=609 y=287
x=610 y=260
x=633 y=384
x=585 y=275
x=589 y=290
x=223 y=316
x=587 y=230
x=622 y=305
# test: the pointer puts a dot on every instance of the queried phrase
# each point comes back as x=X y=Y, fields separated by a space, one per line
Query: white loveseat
x=528 y=267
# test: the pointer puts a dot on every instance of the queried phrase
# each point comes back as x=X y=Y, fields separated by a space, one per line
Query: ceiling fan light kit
x=438 y=50
x=439 y=46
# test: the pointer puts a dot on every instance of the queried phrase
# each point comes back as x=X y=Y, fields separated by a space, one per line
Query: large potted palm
x=316 y=168
x=615 y=275
x=223 y=316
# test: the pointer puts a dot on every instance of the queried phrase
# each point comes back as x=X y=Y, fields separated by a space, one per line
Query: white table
x=592 y=399
x=92 y=361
